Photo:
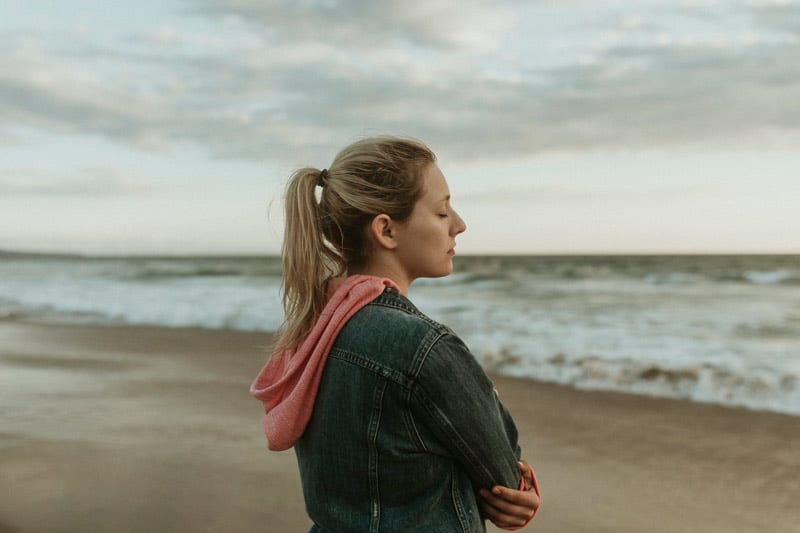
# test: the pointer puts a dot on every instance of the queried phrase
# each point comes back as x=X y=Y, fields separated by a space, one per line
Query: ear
x=384 y=230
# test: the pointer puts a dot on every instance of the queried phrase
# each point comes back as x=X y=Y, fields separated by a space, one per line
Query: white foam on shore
x=707 y=332
x=217 y=302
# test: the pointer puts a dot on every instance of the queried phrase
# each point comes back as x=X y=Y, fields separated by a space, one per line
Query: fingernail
x=496 y=490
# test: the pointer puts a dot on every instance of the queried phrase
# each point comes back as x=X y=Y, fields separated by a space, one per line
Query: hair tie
x=322 y=180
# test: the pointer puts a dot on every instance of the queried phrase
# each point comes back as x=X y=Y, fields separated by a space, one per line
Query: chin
x=438 y=273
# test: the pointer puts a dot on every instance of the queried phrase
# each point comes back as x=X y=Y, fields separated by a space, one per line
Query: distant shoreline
x=24 y=254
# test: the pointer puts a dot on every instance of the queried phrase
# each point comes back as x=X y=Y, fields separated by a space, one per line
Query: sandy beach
x=122 y=428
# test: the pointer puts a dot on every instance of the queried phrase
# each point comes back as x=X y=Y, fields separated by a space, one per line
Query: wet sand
x=124 y=428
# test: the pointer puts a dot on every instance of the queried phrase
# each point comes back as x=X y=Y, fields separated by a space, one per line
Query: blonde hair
x=325 y=238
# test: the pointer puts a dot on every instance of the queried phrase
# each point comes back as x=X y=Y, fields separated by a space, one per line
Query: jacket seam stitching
x=374 y=481
x=411 y=424
x=425 y=346
x=386 y=372
x=457 y=500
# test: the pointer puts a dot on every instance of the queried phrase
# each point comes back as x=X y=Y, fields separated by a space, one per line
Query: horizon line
x=10 y=253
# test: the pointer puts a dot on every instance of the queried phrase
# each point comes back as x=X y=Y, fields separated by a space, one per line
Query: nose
x=459 y=226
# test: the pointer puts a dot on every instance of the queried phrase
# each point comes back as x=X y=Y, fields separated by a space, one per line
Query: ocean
x=717 y=329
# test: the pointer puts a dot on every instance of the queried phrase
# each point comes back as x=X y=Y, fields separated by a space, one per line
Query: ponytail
x=308 y=260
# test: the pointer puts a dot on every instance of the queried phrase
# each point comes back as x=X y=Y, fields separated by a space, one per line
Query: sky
x=562 y=126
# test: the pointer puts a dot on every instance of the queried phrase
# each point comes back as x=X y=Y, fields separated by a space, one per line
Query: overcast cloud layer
x=170 y=126
x=262 y=80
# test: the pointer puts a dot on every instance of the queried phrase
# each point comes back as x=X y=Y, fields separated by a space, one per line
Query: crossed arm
x=478 y=430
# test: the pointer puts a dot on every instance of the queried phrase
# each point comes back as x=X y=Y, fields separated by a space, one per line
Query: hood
x=288 y=383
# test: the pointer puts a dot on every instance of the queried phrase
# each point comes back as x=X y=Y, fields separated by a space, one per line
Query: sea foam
x=703 y=328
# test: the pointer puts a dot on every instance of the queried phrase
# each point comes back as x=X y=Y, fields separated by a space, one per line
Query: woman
x=395 y=425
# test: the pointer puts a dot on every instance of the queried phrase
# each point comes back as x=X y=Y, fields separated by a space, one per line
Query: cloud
x=646 y=95
x=294 y=81
x=89 y=181
x=45 y=83
x=470 y=24
x=783 y=16
x=574 y=195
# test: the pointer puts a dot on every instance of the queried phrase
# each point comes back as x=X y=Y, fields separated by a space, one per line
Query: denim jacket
x=406 y=427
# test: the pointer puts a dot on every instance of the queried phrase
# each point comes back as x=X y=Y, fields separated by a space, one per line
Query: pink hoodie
x=288 y=383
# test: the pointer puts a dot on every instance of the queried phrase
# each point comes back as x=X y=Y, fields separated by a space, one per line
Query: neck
x=382 y=269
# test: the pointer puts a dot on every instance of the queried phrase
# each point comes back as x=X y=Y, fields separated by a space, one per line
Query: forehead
x=434 y=184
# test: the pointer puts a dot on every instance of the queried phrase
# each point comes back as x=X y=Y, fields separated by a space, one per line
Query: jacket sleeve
x=456 y=401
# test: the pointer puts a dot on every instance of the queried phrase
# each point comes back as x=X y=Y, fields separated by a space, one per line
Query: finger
x=527 y=474
x=505 y=507
x=524 y=507
x=529 y=478
x=518 y=508
x=525 y=498
x=499 y=518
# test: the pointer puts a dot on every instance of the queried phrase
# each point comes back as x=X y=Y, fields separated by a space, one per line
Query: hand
x=509 y=508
